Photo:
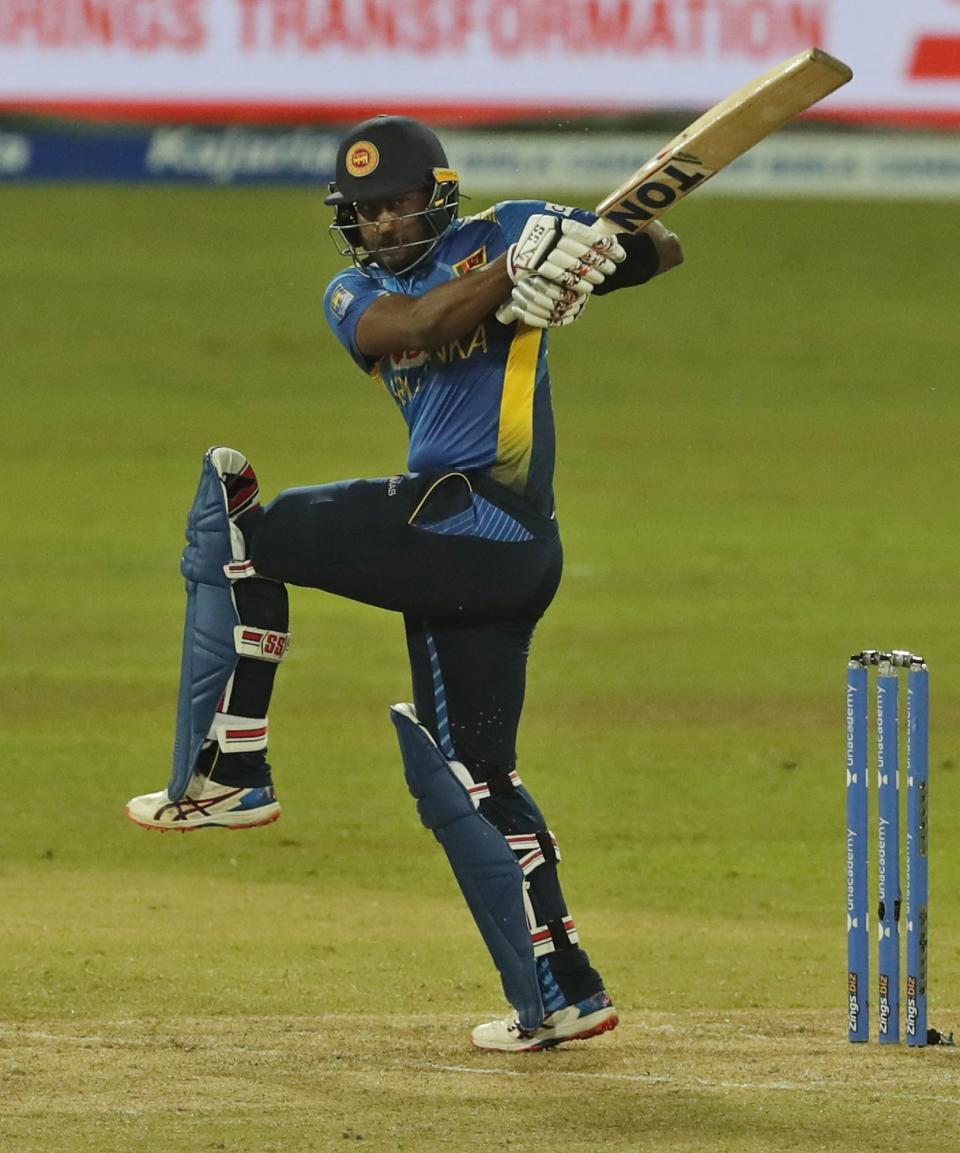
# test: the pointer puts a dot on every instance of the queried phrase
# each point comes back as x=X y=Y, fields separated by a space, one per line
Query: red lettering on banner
x=423 y=27
x=506 y=27
x=661 y=33
x=605 y=24
x=598 y=26
x=673 y=27
x=512 y=28
x=248 y=24
x=288 y=19
x=765 y=27
x=696 y=10
x=134 y=25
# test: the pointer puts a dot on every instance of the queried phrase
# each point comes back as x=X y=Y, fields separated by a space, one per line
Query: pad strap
x=559 y=934
x=238 y=570
x=480 y=790
x=534 y=849
x=261 y=644
x=239 y=734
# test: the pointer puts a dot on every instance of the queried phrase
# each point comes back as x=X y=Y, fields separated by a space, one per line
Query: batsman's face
x=395 y=230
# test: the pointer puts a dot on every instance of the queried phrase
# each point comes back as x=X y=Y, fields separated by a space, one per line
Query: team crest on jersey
x=362 y=158
x=475 y=260
x=340 y=301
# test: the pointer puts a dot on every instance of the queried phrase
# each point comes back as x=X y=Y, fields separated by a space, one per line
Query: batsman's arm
x=650 y=253
x=395 y=322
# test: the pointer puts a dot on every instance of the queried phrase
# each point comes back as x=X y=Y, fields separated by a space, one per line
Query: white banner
x=465 y=60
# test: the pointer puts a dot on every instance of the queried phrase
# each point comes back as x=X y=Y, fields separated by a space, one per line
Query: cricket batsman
x=452 y=316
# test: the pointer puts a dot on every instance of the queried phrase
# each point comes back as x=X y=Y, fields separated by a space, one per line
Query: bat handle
x=606 y=227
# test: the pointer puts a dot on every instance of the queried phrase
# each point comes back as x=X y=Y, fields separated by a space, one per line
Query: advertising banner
x=464 y=60
x=898 y=165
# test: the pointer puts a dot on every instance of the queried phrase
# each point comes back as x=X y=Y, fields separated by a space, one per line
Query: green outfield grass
x=758 y=473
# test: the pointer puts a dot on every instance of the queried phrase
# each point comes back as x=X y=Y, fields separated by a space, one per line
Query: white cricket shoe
x=572 y=1023
x=206 y=804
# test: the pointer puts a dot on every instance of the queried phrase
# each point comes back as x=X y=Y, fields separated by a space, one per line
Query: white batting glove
x=544 y=304
x=563 y=251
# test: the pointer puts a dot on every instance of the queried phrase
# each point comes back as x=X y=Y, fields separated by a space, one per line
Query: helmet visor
x=385 y=243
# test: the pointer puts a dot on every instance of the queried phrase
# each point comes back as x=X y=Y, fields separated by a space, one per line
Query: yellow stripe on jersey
x=515 y=439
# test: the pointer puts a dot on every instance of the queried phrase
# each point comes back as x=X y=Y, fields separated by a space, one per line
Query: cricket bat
x=720 y=135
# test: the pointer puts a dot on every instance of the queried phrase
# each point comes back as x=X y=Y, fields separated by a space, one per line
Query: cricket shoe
x=572 y=1023
x=206 y=804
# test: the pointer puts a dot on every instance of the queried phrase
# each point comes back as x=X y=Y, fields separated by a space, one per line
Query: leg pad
x=209 y=652
x=486 y=869
x=211 y=705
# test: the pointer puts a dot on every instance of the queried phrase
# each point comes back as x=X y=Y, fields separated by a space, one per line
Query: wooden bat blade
x=720 y=135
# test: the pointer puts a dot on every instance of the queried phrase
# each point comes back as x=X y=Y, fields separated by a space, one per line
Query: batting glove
x=564 y=251
x=543 y=304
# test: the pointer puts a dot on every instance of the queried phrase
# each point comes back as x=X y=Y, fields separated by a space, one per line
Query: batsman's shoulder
x=505 y=212
x=351 y=278
x=346 y=288
x=512 y=215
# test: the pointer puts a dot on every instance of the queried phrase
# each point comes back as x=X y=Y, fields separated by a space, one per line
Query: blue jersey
x=479 y=402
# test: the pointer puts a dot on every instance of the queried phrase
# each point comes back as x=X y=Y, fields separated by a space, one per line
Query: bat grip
x=606 y=227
